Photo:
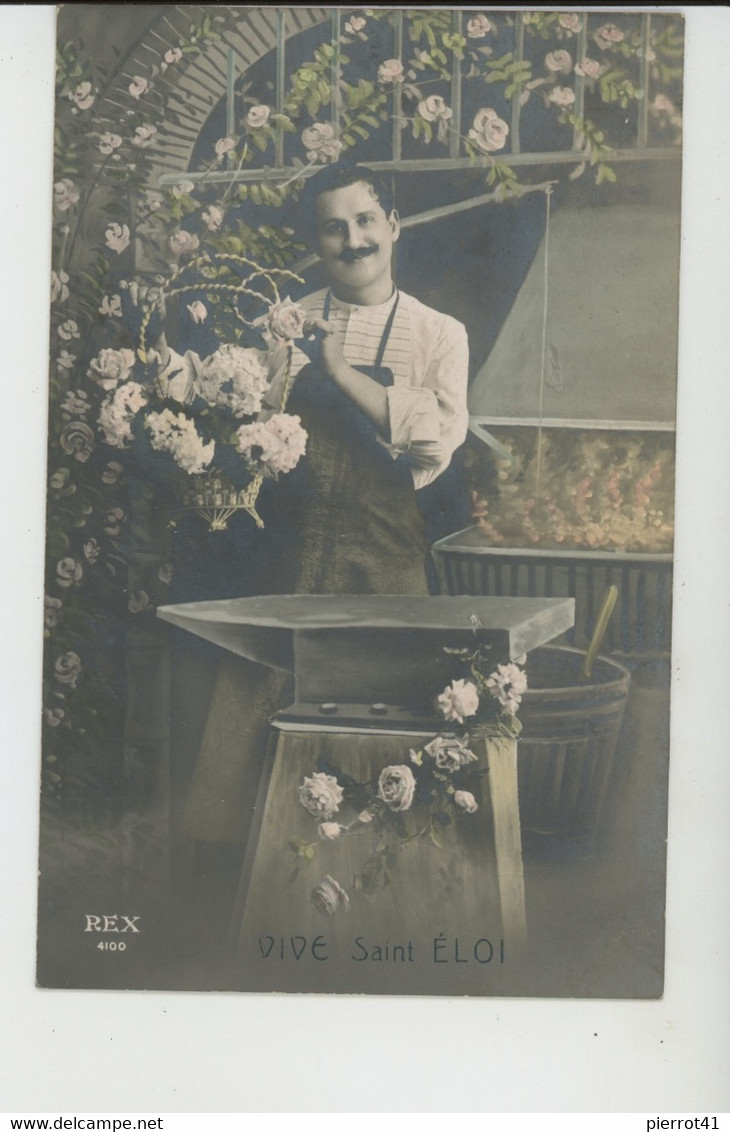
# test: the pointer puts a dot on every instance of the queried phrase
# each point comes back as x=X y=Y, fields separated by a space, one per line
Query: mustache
x=351 y=255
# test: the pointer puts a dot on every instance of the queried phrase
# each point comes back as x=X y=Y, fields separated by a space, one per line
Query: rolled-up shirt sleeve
x=429 y=421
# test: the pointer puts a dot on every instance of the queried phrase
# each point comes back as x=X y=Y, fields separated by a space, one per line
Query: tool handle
x=598 y=633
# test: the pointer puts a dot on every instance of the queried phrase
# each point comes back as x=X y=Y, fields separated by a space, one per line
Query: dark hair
x=338 y=176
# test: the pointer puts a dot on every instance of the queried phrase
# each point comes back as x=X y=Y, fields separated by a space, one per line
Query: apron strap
x=383 y=378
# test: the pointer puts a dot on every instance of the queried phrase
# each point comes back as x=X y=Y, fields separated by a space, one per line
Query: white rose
x=459 y=700
x=489 y=132
x=321 y=795
x=477 y=27
x=110 y=367
x=434 y=109
x=258 y=116
x=286 y=321
x=396 y=787
x=329 y=830
x=561 y=96
x=321 y=142
x=391 y=71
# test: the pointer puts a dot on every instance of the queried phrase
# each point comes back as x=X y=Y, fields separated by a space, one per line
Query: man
x=382 y=360
x=380 y=386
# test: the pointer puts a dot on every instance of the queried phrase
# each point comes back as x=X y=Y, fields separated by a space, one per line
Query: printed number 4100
x=111 y=945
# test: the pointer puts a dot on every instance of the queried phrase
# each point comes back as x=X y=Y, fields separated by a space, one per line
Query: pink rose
x=434 y=108
x=198 y=311
x=285 y=321
x=329 y=897
x=570 y=21
x=173 y=55
x=396 y=787
x=213 y=218
x=391 y=71
x=143 y=136
x=460 y=699
x=321 y=142
x=477 y=27
x=329 y=830
x=224 y=146
x=138 y=86
x=557 y=61
x=449 y=752
x=116 y=237
x=258 y=116
x=355 y=24
x=608 y=35
x=65 y=194
x=466 y=801
x=321 y=795
x=590 y=68
x=109 y=142
x=561 y=96
x=82 y=96
x=489 y=132
x=110 y=367
x=183 y=243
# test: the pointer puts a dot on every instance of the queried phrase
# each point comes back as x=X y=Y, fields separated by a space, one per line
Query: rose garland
x=414 y=800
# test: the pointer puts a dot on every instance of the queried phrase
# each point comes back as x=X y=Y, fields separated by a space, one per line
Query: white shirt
x=428 y=355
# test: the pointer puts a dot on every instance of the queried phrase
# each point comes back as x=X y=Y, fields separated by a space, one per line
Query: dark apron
x=360 y=530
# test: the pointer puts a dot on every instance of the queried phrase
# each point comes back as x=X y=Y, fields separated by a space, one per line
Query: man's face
x=355 y=239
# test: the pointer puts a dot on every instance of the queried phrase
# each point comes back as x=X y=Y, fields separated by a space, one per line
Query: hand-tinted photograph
x=360 y=518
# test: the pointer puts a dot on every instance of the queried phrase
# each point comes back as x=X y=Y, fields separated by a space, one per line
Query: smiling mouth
x=353 y=256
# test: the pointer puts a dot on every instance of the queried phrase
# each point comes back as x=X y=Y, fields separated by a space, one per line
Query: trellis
x=271 y=29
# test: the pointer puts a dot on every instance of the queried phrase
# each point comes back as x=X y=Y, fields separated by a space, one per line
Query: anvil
x=349 y=653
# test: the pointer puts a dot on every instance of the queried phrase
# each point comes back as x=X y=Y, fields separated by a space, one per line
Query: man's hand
x=330 y=346
x=368 y=395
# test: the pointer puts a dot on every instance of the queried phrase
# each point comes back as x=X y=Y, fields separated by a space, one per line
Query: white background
x=89 y=1052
